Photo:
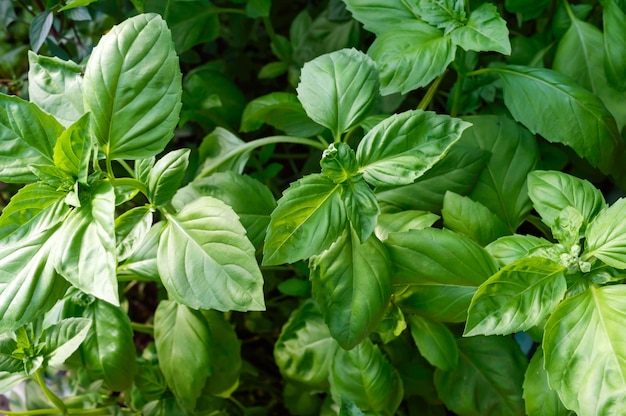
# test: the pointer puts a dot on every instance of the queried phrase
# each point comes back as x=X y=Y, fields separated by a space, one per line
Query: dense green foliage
x=357 y=207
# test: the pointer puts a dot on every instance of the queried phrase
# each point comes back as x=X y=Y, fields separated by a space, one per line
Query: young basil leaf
x=518 y=297
x=28 y=137
x=214 y=265
x=55 y=86
x=183 y=341
x=309 y=217
x=34 y=208
x=501 y=187
x=411 y=56
x=84 y=248
x=392 y=325
x=379 y=19
x=472 y=219
x=505 y=250
x=606 y=236
x=484 y=30
x=250 y=199
x=444 y=14
x=132 y=61
x=143 y=167
x=109 y=351
x=614 y=24
x=351 y=81
x=584 y=353
x=403 y=221
x=63 y=339
x=142 y=263
x=361 y=206
x=550 y=104
x=539 y=398
x=488 y=379
x=130 y=230
x=11 y=368
x=435 y=342
x=29 y=283
x=73 y=149
x=404 y=146
x=166 y=175
x=364 y=376
x=281 y=110
x=553 y=191
x=305 y=348
x=213 y=149
x=339 y=162
x=351 y=283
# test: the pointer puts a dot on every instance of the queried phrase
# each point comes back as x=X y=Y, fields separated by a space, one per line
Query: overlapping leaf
x=484 y=30
x=606 y=236
x=435 y=342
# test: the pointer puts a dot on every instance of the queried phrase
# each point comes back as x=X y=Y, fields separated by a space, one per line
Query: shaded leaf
x=435 y=342
x=539 y=398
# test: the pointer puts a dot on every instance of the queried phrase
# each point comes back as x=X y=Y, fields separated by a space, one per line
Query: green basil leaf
x=183 y=341
x=215 y=150
x=361 y=206
x=305 y=349
x=213 y=266
x=351 y=283
x=143 y=168
x=501 y=187
x=55 y=86
x=250 y=199
x=27 y=137
x=411 y=56
x=435 y=342
x=40 y=28
x=539 y=398
x=166 y=175
x=403 y=221
x=309 y=217
x=518 y=297
x=614 y=24
x=457 y=171
x=510 y=248
x=64 y=338
x=379 y=18
x=606 y=236
x=11 y=369
x=131 y=61
x=109 y=351
x=584 y=353
x=73 y=149
x=528 y=11
x=84 y=248
x=392 y=325
x=351 y=78
x=444 y=14
x=472 y=219
x=339 y=162
x=439 y=302
x=281 y=110
x=488 y=379
x=29 y=284
x=550 y=104
x=404 y=146
x=485 y=30
x=142 y=263
x=553 y=191
x=225 y=353
x=258 y=8
x=364 y=376
x=34 y=208
x=130 y=230
x=71 y=4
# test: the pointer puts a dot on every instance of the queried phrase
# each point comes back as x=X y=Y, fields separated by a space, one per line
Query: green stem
x=480 y=71
x=132 y=182
x=54 y=399
x=457 y=95
x=143 y=328
x=269 y=28
x=432 y=90
x=127 y=167
x=543 y=228
x=255 y=144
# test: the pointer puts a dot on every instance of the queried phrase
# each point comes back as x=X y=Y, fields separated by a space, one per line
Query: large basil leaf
x=109 y=350
x=411 y=56
x=553 y=191
x=510 y=248
x=606 y=236
x=614 y=23
x=64 y=338
x=351 y=283
x=539 y=398
x=488 y=379
x=225 y=353
x=364 y=376
x=378 y=17
x=404 y=146
x=518 y=297
x=305 y=349
x=339 y=89
x=501 y=187
x=550 y=104
x=485 y=30
x=29 y=283
x=435 y=342
x=166 y=175
x=27 y=137
x=55 y=86
x=213 y=266
x=84 y=250
x=183 y=342
x=309 y=217
x=131 y=62
x=585 y=355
